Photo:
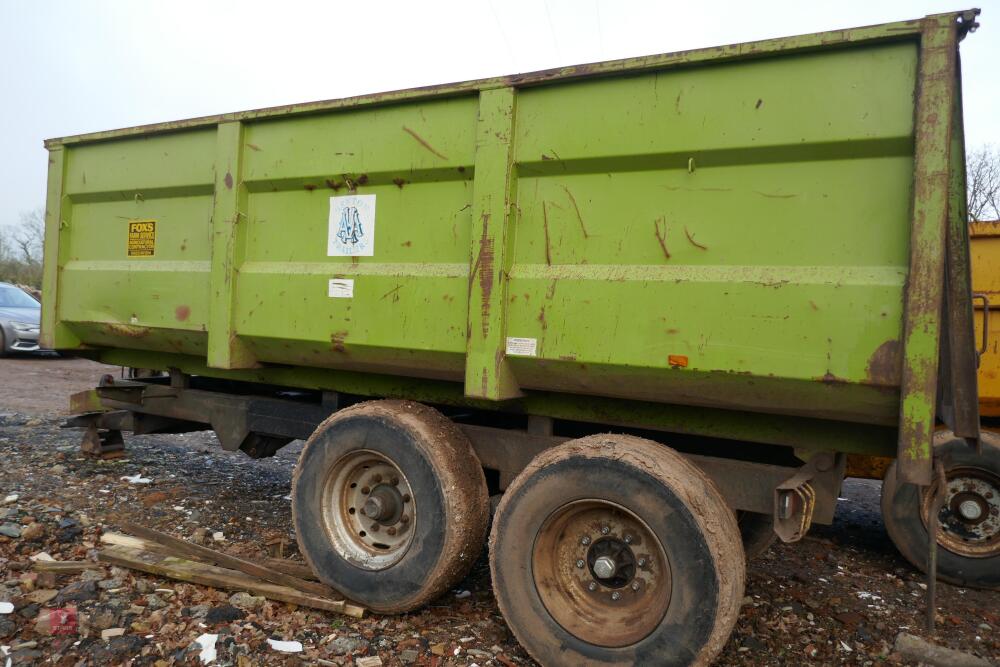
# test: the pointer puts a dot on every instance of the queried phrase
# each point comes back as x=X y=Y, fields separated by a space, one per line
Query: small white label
x=522 y=347
x=352 y=226
x=341 y=288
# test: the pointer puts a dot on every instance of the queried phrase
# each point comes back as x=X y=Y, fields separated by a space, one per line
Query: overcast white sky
x=72 y=66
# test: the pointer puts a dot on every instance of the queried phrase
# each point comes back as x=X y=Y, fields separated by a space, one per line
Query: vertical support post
x=487 y=371
x=55 y=335
x=926 y=284
x=959 y=386
x=225 y=350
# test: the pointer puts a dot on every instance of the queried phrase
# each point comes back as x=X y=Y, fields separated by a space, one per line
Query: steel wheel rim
x=369 y=512
x=612 y=611
x=970 y=515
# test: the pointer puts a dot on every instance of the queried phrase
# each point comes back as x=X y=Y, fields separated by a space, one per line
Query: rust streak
x=253 y=147
x=577 y=209
x=128 y=330
x=228 y=180
x=661 y=236
x=691 y=239
x=337 y=341
x=423 y=142
x=885 y=365
x=545 y=225
x=484 y=264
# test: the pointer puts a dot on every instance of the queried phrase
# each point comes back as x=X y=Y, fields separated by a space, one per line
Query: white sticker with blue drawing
x=352 y=226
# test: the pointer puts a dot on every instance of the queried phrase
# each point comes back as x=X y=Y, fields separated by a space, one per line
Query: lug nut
x=406 y=498
x=579 y=563
x=592 y=587
x=405 y=518
x=635 y=585
x=605 y=530
x=628 y=539
x=365 y=490
x=585 y=540
x=394 y=481
x=374 y=528
x=642 y=562
x=390 y=530
x=376 y=479
x=616 y=596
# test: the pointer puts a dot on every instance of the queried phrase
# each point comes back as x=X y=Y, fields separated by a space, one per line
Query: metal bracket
x=102 y=444
x=967 y=22
x=795 y=499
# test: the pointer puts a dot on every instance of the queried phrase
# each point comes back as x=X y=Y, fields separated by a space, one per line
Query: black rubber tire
x=448 y=485
x=757 y=531
x=901 y=513
x=681 y=506
x=3 y=345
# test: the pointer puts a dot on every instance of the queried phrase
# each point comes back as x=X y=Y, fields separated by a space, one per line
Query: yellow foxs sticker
x=141 y=238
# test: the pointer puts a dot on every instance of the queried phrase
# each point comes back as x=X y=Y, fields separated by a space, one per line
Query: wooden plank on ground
x=204 y=574
x=189 y=549
x=292 y=567
x=123 y=540
x=286 y=565
x=65 y=566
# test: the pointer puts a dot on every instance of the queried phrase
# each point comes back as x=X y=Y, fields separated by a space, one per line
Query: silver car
x=19 y=318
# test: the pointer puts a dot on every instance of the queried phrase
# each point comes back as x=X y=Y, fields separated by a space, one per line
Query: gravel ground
x=840 y=597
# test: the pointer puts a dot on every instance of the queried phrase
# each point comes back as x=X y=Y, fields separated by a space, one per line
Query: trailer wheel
x=613 y=549
x=390 y=504
x=969 y=521
x=757 y=531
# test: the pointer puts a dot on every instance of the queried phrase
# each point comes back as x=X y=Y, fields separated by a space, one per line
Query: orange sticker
x=677 y=360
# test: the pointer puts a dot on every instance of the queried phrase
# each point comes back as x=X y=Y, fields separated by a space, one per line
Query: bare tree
x=30 y=235
x=21 y=249
x=983 y=182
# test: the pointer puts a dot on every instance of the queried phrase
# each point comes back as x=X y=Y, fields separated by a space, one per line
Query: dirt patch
x=42 y=384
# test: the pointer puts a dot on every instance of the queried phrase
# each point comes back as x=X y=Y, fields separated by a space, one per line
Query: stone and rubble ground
x=840 y=597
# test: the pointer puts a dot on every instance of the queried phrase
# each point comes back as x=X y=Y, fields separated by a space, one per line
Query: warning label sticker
x=141 y=238
x=522 y=347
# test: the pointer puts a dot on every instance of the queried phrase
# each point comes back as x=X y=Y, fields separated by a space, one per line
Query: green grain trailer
x=656 y=302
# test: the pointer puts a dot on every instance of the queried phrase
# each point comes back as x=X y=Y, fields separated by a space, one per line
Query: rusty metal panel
x=487 y=371
x=924 y=293
x=958 y=404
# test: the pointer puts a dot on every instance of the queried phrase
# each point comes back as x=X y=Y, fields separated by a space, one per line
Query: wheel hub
x=611 y=562
x=369 y=512
x=970 y=515
x=385 y=505
x=601 y=573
